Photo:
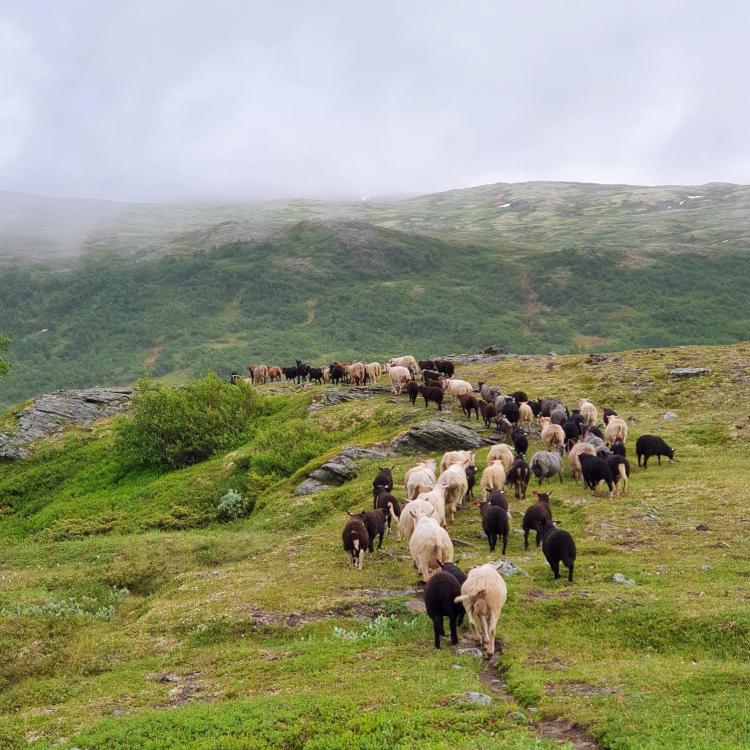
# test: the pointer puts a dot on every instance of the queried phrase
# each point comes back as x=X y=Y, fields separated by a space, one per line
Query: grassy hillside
x=130 y=618
x=333 y=289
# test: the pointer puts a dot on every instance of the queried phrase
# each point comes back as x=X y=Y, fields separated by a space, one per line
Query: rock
x=416 y=606
x=620 y=578
x=52 y=413
x=688 y=372
x=518 y=716
x=332 y=397
x=507 y=568
x=669 y=415
x=702 y=527
x=168 y=677
x=310 y=486
x=437 y=435
x=469 y=652
x=478 y=359
x=494 y=349
x=480 y=698
x=334 y=472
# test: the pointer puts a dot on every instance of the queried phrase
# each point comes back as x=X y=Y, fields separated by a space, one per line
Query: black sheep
x=454 y=570
x=520 y=440
x=534 y=515
x=383 y=482
x=412 y=388
x=520 y=397
x=591 y=429
x=429 y=374
x=430 y=393
x=494 y=524
x=536 y=406
x=445 y=366
x=356 y=540
x=390 y=505
x=518 y=476
x=290 y=373
x=471 y=480
x=440 y=594
x=315 y=373
x=489 y=412
x=374 y=521
x=426 y=364
x=572 y=432
x=594 y=470
x=652 y=445
x=469 y=404
x=510 y=411
x=302 y=370
x=497 y=499
x=336 y=372
x=620 y=469
x=577 y=417
x=558 y=547
x=618 y=448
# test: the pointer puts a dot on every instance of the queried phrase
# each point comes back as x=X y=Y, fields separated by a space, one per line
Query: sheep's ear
x=534 y=492
x=549 y=494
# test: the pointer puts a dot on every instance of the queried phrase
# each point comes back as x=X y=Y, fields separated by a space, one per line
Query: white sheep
x=406 y=361
x=420 y=478
x=525 y=416
x=458 y=387
x=588 y=411
x=616 y=429
x=436 y=498
x=501 y=452
x=493 y=478
x=429 y=546
x=409 y=515
x=456 y=487
x=374 y=371
x=463 y=458
x=399 y=377
x=483 y=595
x=553 y=436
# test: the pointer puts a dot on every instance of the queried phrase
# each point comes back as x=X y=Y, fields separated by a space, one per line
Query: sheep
x=440 y=596
x=545 y=464
x=399 y=377
x=520 y=397
x=374 y=521
x=546 y=405
x=574 y=458
x=445 y=366
x=290 y=373
x=511 y=411
x=553 y=436
x=588 y=411
x=494 y=524
x=456 y=487
x=471 y=480
x=502 y=453
x=620 y=468
x=419 y=479
x=458 y=388
x=412 y=389
x=430 y=375
x=326 y=374
x=493 y=478
x=572 y=433
x=488 y=412
x=383 y=482
x=274 y=373
x=607 y=414
x=502 y=425
x=558 y=546
x=373 y=371
x=488 y=392
x=652 y=445
x=483 y=595
x=429 y=545
x=616 y=429
x=431 y=393
x=498 y=499
x=520 y=440
x=465 y=458
x=259 y=374
x=356 y=540
x=595 y=470
x=519 y=476
x=426 y=364
x=392 y=509
x=618 y=448
x=436 y=498
x=558 y=415
x=534 y=515
x=593 y=440
x=409 y=515
x=337 y=372
x=591 y=430
x=525 y=415
x=316 y=373
x=469 y=404
x=453 y=569
x=406 y=361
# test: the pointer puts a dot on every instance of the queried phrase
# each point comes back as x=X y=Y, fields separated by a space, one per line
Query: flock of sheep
x=432 y=500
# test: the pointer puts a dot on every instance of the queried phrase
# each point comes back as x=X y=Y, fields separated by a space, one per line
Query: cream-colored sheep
x=420 y=478
x=436 y=498
x=429 y=546
x=553 y=436
x=374 y=371
x=525 y=416
x=458 y=387
x=456 y=486
x=493 y=478
x=483 y=595
x=588 y=411
x=501 y=452
x=463 y=458
x=410 y=512
x=574 y=458
x=616 y=429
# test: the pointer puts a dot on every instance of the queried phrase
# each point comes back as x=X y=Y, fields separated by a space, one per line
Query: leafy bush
x=170 y=428
x=231 y=506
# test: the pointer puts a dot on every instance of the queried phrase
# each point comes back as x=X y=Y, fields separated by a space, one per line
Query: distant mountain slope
x=518 y=218
x=347 y=288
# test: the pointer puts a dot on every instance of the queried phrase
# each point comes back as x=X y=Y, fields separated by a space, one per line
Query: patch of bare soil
x=560 y=730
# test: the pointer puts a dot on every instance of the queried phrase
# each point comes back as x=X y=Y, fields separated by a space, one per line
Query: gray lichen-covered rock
x=437 y=435
x=311 y=486
x=507 y=568
x=53 y=412
x=669 y=415
x=688 y=372
x=339 y=469
x=620 y=578
x=332 y=397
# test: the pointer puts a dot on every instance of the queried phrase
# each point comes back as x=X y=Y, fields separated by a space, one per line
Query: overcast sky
x=163 y=100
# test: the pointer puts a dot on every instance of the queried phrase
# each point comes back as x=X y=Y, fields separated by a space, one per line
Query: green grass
x=663 y=664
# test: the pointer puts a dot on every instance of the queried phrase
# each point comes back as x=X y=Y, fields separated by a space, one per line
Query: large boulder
x=688 y=372
x=438 y=435
x=53 y=412
x=332 y=396
x=339 y=469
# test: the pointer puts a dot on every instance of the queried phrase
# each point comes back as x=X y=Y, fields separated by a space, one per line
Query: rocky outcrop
x=339 y=469
x=53 y=412
x=437 y=435
x=332 y=397
x=688 y=372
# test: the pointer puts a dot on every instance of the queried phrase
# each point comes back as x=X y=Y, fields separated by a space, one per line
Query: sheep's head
x=543 y=496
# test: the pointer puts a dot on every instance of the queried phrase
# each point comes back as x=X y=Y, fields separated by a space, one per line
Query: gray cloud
x=238 y=100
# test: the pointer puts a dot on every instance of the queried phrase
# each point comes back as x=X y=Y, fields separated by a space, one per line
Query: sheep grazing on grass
x=616 y=429
x=464 y=458
x=520 y=440
x=652 y=445
x=493 y=478
x=356 y=540
x=399 y=377
x=469 y=404
x=383 y=482
x=488 y=392
x=429 y=545
x=412 y=389
x=436 y=498
x=534 y=515
x=502 y=453
x=595 y=470
x=620 y=468
x=558 y=547
x=392 y=508
x=458 y=388
x=420 y=478
x=432 y=393
x=525 y=415
x=483 y=595
x=574 y=458
x=519 y=476
x=494 y=524
x=546 y=464
x=440 y=596
x=588 y=411
x=374 y=521
x=488 y=412
x=413 y=510
x=456 y=487
x=553 y=436
x=471 y=480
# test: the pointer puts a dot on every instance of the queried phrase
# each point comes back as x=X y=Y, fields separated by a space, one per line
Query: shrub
x=170 y=428
x=231 y=506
